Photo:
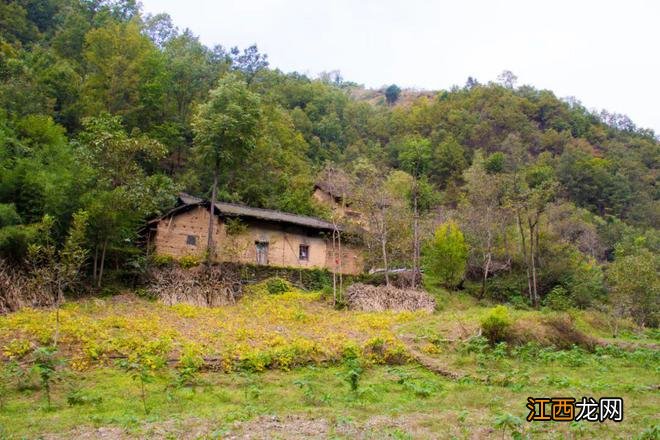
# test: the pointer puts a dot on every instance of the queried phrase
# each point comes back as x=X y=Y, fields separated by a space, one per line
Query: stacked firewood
x=203 y=285
x=18 y=290
x=378 y=298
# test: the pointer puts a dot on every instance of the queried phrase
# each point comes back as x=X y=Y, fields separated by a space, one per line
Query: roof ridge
x=243 y=205
x=239 y=209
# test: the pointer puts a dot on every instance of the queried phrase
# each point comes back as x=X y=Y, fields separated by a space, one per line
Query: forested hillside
x=106 y=114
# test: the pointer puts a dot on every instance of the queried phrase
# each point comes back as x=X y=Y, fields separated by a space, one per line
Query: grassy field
x=289 y=366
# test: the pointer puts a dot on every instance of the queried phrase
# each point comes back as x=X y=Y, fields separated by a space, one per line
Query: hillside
x=110 y=113
x=530 y=221
x=281 y=365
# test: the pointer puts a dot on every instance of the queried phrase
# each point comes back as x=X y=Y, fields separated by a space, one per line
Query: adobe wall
x=283 y=243
x=172 y=233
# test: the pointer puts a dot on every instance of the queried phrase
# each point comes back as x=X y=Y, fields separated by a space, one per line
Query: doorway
x=262 y=252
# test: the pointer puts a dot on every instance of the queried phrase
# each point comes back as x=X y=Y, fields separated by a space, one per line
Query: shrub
x=17 y=348
x=496 y=325
x=188 y=261
x=162 y=260
x=278 y=285
x=141 y=373
x=558 y=299
x=310 y=392
x=444 y=257
x=14 y=241
x=495 y=163
x=519 y=302
x=650 y=433
x=190 y=363
x=77 y=397
x=317 y=279
x=353 y=372
x=45 y=364
x=564 y=335
x=508 y=422
x=505 y=287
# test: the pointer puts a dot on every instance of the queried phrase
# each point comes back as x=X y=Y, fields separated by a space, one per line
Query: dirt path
x=430 y=363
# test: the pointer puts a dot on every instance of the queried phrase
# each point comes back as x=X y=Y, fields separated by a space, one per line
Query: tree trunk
x=341 y=278
x=383 y=244
x=105 y=246
x=58 y=300
x=210 y=249
x=507 y=250
x=532 y=257
x=334 y=271
x=96 y=259
x=485 y=277
x=525 y=256
x=413 y=282
x=487 y=260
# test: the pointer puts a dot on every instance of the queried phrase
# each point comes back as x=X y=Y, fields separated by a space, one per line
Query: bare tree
x=386 y=216
x=339 y=185
x=529 y=197
x=483 y=217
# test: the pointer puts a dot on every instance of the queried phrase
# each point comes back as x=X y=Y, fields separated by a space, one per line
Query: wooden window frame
x=264 y=246
x=303 y=255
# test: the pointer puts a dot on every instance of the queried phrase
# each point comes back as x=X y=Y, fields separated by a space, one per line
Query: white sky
x=605 y=53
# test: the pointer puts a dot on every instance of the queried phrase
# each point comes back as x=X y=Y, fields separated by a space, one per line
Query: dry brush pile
x=17 y=291
x=201 y=286
x=365 y=297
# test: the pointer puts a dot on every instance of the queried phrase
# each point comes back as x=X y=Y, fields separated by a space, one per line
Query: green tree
x=483 y=217
x=530 y=191
x=124 y=73
x=123 y=194
x=415 y=157
x=225 y=127
x=392 y=93
x=58 y=271
x=447 y=162
x=249 y=62
x=445 y=255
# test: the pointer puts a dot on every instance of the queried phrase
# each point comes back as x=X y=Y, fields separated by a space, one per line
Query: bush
x=558 y=299
x=505 y=287
x=188 y=261
x=14 y=241
x=444 y=257
x=519 y=302
x=277 y=285
x=8 y=215
x=564 y=335
x=496 y=325
x=317 y=279
x=162 y=260
x=495 y=163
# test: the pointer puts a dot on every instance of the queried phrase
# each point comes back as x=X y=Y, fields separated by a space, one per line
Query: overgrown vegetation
x=539 y=215
x=108 y=113
x=286 y=366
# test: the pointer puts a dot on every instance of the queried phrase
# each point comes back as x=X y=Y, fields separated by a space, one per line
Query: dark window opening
x=191 y=240
x=303 y=253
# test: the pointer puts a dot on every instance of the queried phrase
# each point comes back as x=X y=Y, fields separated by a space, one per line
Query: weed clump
x=188 y=261
x=564 y=335
x=276 y=286
x=558 y=299
x=496 y=325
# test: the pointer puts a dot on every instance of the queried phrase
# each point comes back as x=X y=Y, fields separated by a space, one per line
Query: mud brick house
x=243 y=234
